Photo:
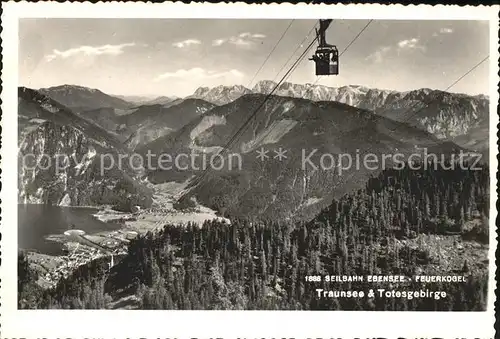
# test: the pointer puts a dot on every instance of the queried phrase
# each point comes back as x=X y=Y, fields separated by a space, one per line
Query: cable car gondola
x=326 y=57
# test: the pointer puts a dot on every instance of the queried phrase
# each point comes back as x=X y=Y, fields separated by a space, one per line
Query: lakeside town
x=54 y=268
x=80 y=248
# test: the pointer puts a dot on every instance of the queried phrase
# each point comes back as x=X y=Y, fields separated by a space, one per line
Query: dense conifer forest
x=404 y=222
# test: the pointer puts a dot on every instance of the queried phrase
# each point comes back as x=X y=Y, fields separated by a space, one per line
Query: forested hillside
x=404 y=222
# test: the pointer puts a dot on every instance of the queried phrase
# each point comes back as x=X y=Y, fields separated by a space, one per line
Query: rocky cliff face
x=220 y=95
x=446 y=115
x=65 y=160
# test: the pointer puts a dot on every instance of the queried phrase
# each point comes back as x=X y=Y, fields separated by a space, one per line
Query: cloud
x=245 y=39
x=409 y=44
x=186 y=43
x=442 y=31
x=402 y=45
x=446 y=30
x=88 y=51
x=218 y=42
x=252 y=36
x=378 y=56
x=199 y=73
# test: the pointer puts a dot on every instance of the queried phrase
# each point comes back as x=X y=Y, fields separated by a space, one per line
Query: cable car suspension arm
x=321 y=33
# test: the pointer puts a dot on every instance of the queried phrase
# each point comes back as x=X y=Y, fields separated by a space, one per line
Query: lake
x=35 y=222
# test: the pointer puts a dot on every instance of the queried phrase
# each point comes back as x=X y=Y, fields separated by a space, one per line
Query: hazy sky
x=174 y=57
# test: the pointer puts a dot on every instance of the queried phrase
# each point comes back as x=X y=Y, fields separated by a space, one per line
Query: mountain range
x=448 y=116
x=304 y=129
x=319 y=176
x=296 y=118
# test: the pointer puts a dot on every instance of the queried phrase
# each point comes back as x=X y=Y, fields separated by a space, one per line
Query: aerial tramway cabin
x=326 y=57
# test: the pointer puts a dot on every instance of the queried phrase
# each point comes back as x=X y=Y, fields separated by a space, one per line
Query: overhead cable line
x=301 y=44
x=356 y=37
x=254 y=113
x=311 y=88
x=242 y=129
x=425 y=106
x=409 y=110
x=272 y=51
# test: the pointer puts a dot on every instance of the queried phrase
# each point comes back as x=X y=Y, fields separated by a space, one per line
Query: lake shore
x=143 y=221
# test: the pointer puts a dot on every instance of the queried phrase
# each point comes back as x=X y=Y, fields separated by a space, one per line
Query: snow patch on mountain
x=220 y=95
x=311 y=201
x=287 y=106
x=206 y=123
x=270 y=135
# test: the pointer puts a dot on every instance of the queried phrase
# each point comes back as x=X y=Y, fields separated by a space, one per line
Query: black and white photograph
x=209 y=158
x=261 y=164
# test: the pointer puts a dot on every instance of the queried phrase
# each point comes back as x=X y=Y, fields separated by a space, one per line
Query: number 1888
x=313 y=278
